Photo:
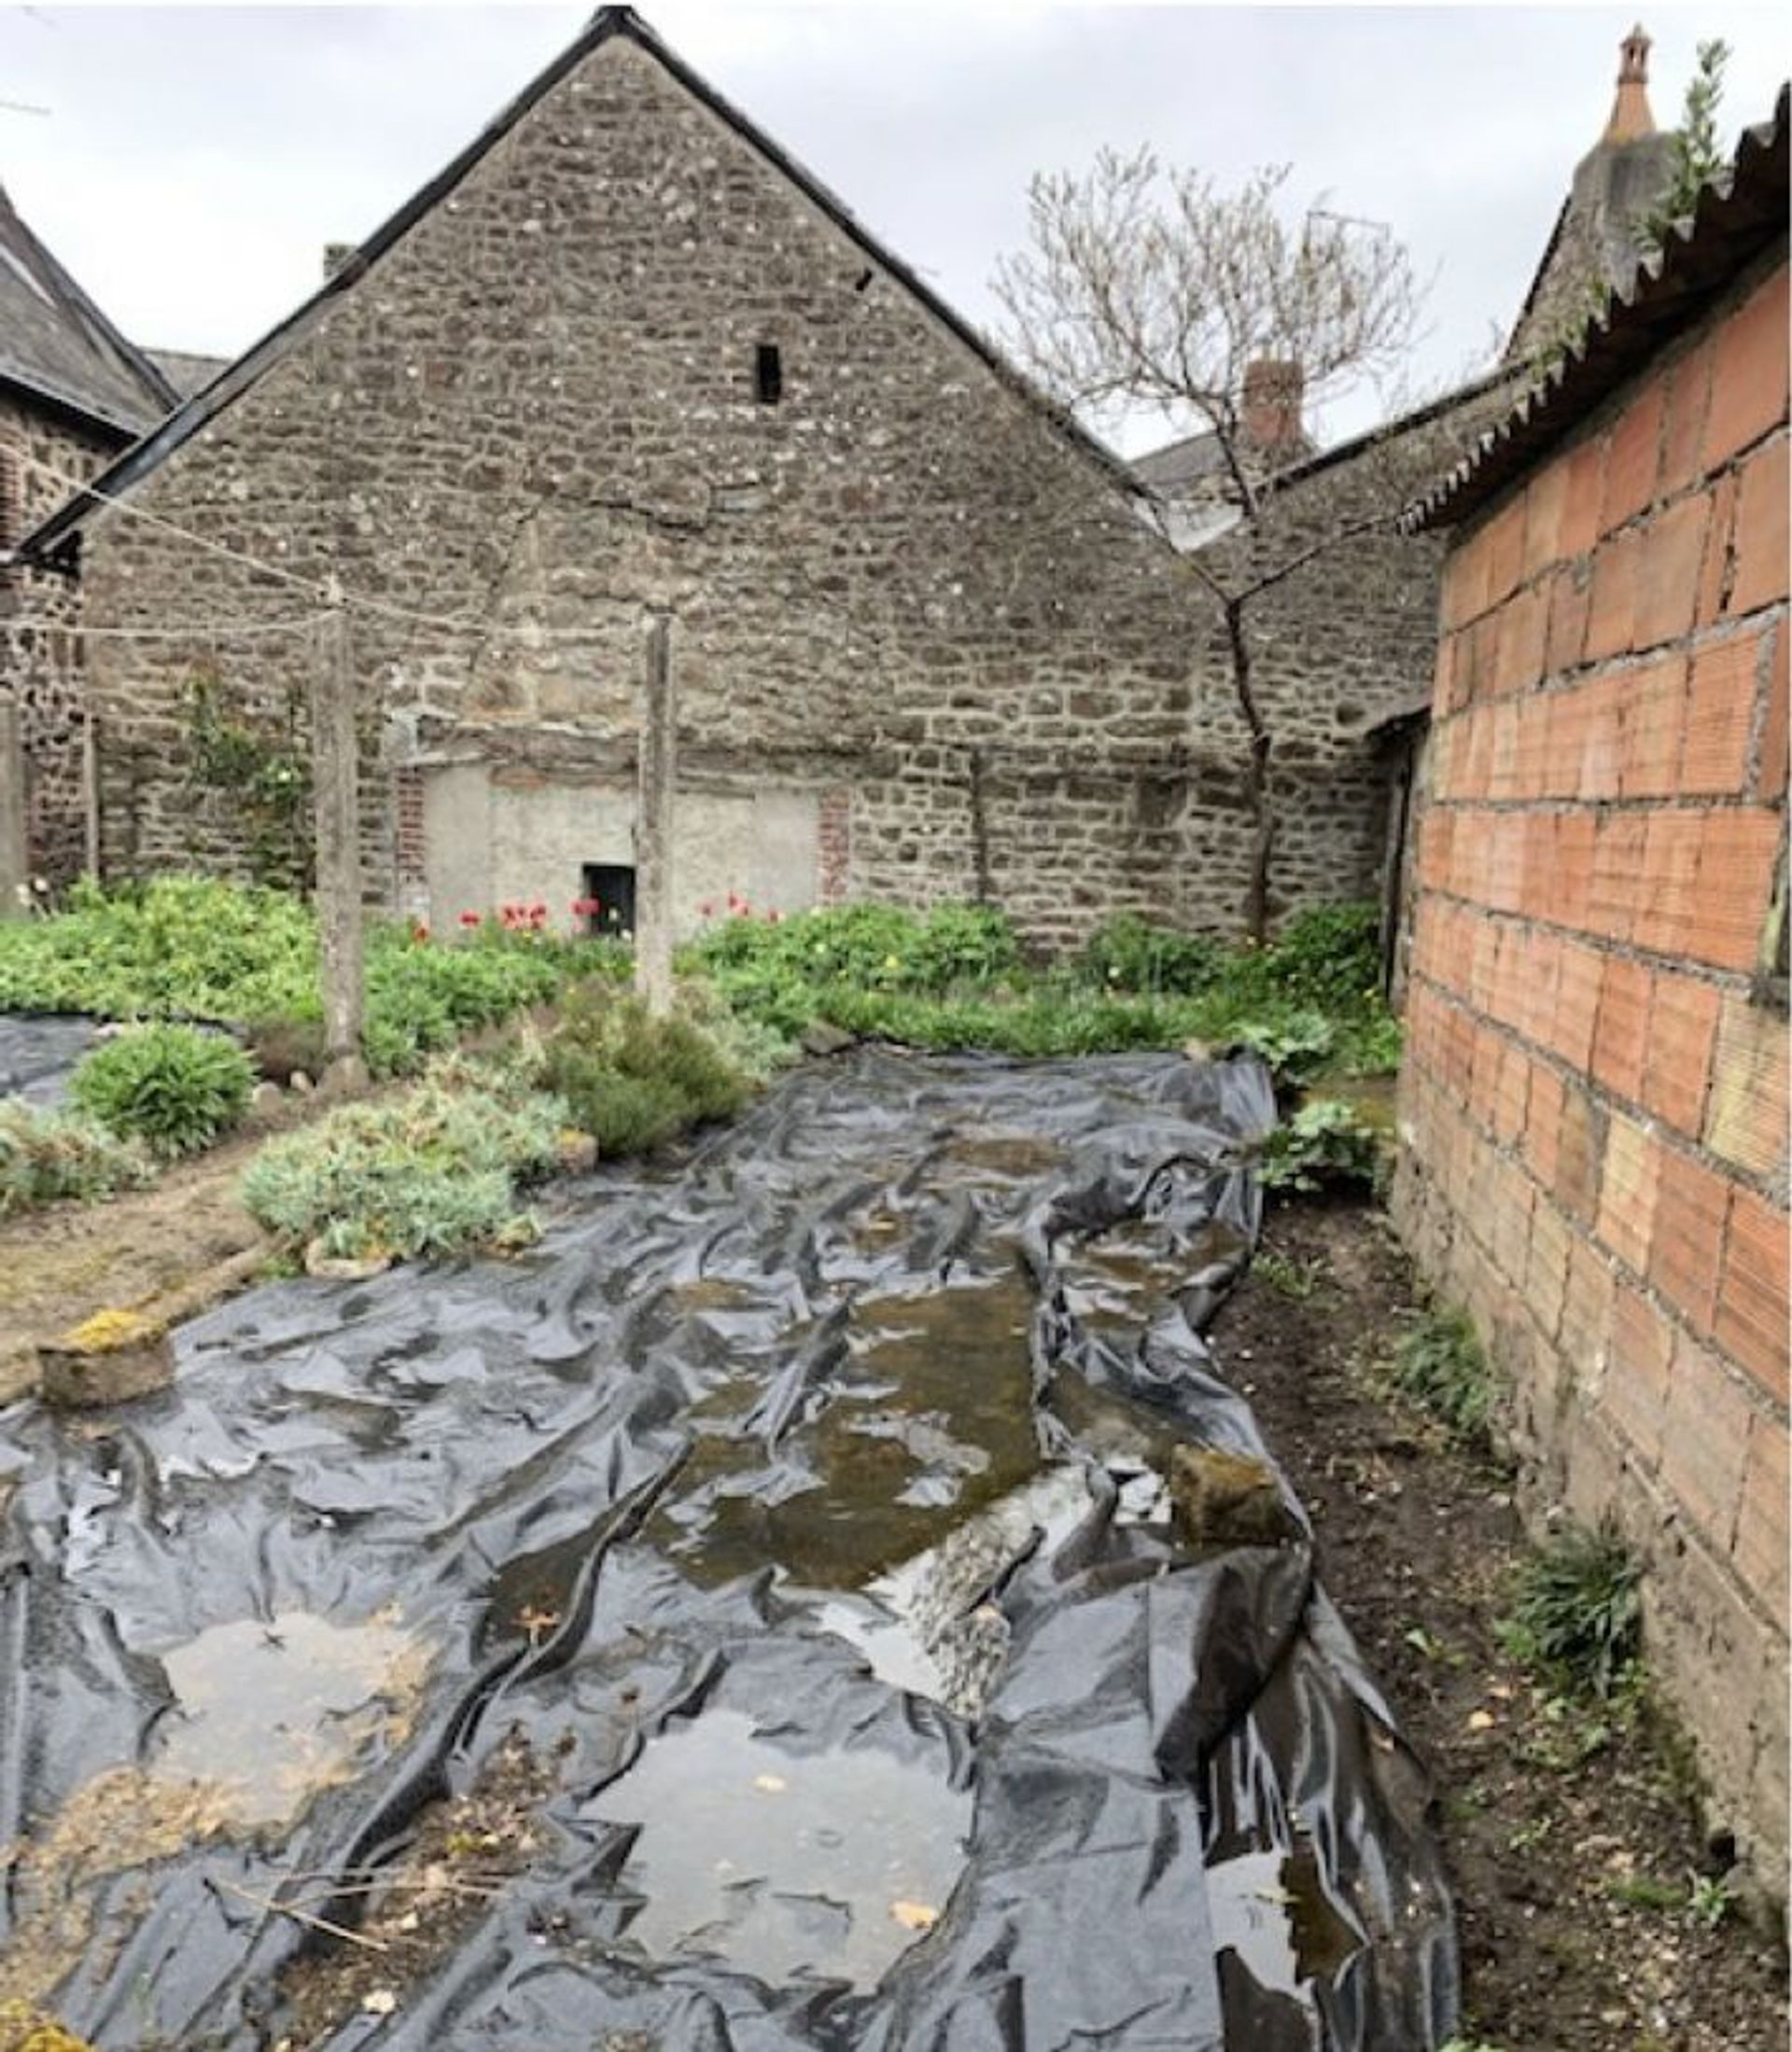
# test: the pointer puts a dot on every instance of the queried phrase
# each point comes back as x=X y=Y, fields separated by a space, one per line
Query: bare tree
x=1148 y=283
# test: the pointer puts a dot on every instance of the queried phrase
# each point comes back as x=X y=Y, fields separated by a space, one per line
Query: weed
x=1440 y=1366
x=1527 y=1837
x=173 y=1087
x=1288 y=1277
x=47 y=1155
x=1645 y=1891
x=1128 y=954
x=1576 y=1615
x=1709 y=1901
x=1323 y=1143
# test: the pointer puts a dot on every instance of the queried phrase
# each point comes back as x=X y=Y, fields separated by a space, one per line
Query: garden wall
x=1593 y=1108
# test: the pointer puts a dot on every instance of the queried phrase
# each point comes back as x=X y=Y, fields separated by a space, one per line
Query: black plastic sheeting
x=38 y=1052
x=544 y=1476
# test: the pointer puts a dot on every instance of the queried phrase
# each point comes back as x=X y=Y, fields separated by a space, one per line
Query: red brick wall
x=1594 y=1099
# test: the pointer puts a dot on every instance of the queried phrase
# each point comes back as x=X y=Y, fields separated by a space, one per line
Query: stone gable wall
x=40 y=648
x=536 y=415
x=1593 y=1104
x=900 y=591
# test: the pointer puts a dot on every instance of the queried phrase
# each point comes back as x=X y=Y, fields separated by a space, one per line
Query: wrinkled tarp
x=654 y=1399
x=38 y=1053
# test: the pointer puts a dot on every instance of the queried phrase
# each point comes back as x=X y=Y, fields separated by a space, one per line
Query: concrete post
x=15 y=846
x=336 y=796
x=653 y=822
x=90 y=794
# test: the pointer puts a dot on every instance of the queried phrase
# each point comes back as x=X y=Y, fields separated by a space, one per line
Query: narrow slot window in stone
x=768 y=374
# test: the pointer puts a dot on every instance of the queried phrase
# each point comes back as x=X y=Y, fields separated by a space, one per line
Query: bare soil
x=1554 y=1822
x=186 y=1235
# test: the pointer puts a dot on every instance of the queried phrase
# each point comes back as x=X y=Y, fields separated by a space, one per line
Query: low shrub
x=1577 y=1612
x=436 y=1171
x=46 y=1155
x=189 y=948
x=1128 y=954
x=1322 y=1144
x=632 y=1079
x=1440 y=1366
x=955 y=978
x=176 y=1088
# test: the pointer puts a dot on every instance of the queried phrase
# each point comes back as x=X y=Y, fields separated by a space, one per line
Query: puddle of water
x=1015 y=1157
x=1110 y=1281
x=826 y=1865
x=270 y=1713
x=922 y=1626
x=1273 y=1911
x=929 y=1419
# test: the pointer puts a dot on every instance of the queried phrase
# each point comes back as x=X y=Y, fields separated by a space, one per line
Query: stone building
x=1593 y=1109
x=623 y=353
x=73 y=394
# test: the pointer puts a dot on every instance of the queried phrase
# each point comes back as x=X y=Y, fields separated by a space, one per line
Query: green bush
x=631 y=1079
x=1577 y=1612
x=1440 y=1365
x=1323 y=1143
x=436 y=1171
x=1128 y=954
x=176 y=1088
x=193 y=948
x=955 y=979
x=46 y=1155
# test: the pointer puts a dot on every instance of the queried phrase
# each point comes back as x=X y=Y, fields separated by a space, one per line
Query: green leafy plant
x=632 y=1079
x=1440 y=1364
x=434 y=1172
x=1699 y=160
x=176 y=1088
x=1576 y=1613
x=47 y=1155
x=262 y=768
x=1324 y=1143
x=1128 y=954
x=1295 y=1279
x=1710 y=1900
x=194 y=948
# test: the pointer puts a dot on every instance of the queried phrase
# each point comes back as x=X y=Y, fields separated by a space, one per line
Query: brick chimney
x=1272 y=395
x=1632 y=118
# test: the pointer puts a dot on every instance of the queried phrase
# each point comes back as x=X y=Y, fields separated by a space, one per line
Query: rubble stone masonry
x=40 y=647
x=903 y=596
x=1594 y=1101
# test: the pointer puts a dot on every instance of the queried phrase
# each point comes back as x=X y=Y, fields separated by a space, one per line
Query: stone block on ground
x=111 y=1357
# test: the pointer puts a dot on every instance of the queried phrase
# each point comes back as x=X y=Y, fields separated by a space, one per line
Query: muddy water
x=823 y=1865
x=266 y=1714
x=926 y=1418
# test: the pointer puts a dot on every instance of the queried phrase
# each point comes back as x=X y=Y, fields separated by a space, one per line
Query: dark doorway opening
x=610 y=890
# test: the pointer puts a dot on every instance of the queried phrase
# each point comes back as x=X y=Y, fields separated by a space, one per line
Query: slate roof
x=1179 y=465
x=196 y=411
x=185 y=371
x=1733 y=223
x=58 y=347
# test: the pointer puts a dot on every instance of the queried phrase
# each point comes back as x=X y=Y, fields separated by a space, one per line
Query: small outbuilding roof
x=57 y=346
x=1734 y=222
x=206 y=403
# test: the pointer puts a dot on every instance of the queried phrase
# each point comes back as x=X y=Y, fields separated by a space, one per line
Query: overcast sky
x=194 y=161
